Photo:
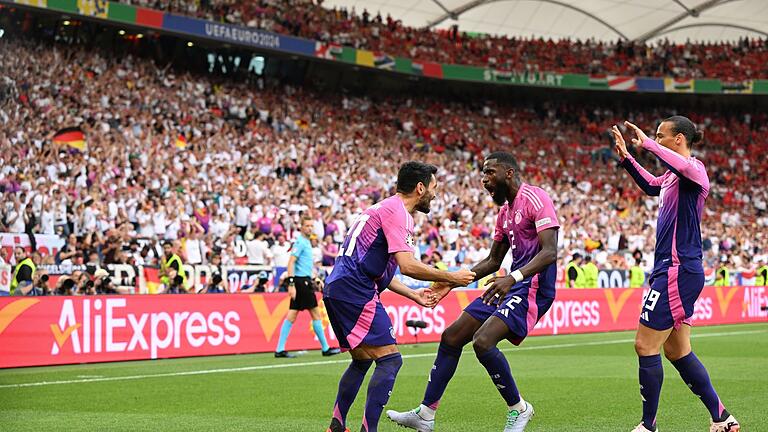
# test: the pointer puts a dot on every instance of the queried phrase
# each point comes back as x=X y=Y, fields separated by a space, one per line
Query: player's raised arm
x=649 y=183
x=680 y=164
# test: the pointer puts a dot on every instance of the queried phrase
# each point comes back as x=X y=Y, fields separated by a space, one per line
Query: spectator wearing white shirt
x=257 y=249
x=47 y=219
x=242 y=215
x=281 y=251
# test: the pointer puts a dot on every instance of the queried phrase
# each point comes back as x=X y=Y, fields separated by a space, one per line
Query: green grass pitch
x=576 y=383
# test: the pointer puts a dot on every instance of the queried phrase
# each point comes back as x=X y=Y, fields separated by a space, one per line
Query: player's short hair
x=306 y=218
x=504 y=158
x=412 y=173
x=685 y=126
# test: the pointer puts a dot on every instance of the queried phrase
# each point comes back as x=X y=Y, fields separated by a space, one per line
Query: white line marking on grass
x=327 y=362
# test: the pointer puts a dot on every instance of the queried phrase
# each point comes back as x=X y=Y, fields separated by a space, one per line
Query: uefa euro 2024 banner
x=62 y=330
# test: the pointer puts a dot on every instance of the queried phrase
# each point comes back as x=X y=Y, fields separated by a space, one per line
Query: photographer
x=177 y=285
x=65 y=286
x=216 y=286
x=85 y=286
x=38 y=286
x=103 y=283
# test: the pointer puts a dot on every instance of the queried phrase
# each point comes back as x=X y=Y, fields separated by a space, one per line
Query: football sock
x=695 y=375
x=317 y=326
x=442 y=371
x=379 y=389
x=651 y=376
x=425 y=412
x=349 y=385
x=519 y=407
x=496 y=364
x=285 y=330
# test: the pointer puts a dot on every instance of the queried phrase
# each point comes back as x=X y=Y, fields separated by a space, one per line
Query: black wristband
x=291 y=281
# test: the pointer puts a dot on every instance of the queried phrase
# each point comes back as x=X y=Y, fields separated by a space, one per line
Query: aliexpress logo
x=111 y=326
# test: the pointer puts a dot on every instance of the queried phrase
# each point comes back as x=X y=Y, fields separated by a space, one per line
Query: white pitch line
x=327 y=362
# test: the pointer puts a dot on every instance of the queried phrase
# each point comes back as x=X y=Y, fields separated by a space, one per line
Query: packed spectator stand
x=730 y=61
x=259 y=156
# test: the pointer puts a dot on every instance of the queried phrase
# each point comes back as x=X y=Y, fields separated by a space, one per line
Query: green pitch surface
x=576 y=383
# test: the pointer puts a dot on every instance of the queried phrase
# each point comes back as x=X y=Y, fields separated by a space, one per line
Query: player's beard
x=500 y=192
x=424 y=204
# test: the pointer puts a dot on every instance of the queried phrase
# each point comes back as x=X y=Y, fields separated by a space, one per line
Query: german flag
x=152 y=280
x=181 y=142
x=72 y=137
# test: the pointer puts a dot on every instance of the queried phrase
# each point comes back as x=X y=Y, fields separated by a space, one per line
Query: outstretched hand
x=640 y=136
x=425 y=297
x=621 y=145
x=439 y=290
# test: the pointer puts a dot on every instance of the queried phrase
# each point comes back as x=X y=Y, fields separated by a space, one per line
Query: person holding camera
x=37 y=287
x=216 y=286
x=85 y=285
x=102 y=283
x=66 y=285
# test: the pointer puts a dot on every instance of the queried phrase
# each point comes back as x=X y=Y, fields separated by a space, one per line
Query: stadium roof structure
x=607 y=20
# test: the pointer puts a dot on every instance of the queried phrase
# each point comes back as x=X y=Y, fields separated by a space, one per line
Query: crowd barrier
x=64 y=330
x=145 y=280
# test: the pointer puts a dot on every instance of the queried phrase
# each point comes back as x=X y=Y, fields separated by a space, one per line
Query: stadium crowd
x=256 y=158
x=730 y=61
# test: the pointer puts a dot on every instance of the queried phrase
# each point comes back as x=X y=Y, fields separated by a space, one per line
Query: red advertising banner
x=62 y=330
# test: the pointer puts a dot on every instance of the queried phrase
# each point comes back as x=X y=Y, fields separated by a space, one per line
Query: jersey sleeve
x=685 y=167
x=396 y=224
x=297 y=247
x=542 y=210
x=649 y=183
x=498 y=232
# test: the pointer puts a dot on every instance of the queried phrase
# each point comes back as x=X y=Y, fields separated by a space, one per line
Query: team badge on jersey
x=518 y=217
